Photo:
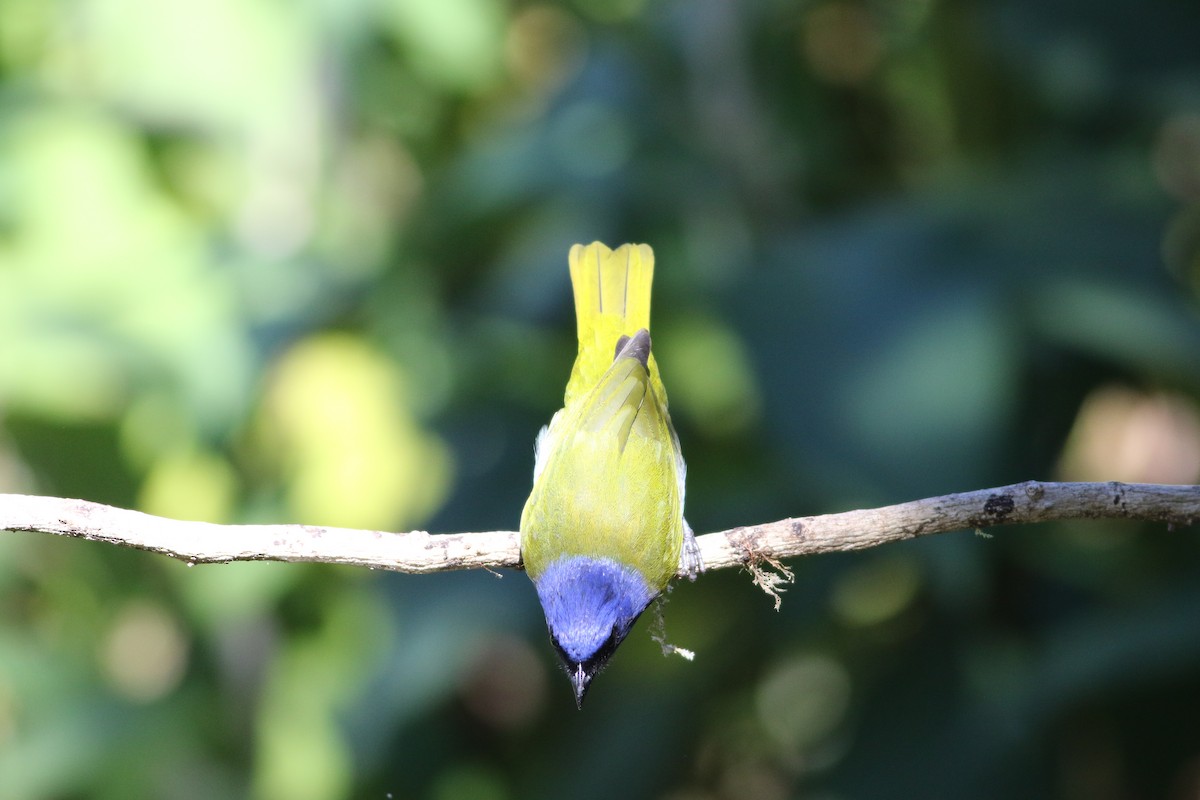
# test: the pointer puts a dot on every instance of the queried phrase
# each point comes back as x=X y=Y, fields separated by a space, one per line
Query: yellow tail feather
x=612 y=299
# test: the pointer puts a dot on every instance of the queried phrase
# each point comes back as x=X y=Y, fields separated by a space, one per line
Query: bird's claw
x=690 y=562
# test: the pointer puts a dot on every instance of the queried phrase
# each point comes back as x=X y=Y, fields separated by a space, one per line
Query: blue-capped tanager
x=603 y=532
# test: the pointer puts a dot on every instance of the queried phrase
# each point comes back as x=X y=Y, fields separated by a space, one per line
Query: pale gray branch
x=1032 y=501
x=751 y=546
x=208 y=543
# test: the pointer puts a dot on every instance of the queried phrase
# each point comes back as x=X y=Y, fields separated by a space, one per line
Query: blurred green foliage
x=306 y=262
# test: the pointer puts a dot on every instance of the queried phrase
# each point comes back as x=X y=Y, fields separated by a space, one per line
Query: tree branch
x=750 y=546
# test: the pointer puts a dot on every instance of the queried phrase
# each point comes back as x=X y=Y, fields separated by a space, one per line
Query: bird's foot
x=690 y=562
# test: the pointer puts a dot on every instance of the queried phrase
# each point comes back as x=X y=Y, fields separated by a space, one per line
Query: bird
x=602 y=533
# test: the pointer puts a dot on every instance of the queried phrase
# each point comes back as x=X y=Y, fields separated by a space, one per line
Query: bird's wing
x=608 y=484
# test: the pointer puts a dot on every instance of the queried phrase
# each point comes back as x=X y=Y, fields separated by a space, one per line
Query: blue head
x=590 y=605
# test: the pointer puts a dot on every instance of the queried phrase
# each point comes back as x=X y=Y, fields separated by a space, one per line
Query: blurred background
x=267 y=261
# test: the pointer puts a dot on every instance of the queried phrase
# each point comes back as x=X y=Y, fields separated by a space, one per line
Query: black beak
x=580 y=680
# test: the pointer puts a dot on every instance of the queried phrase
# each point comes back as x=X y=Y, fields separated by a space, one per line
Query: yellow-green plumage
x=608 y=481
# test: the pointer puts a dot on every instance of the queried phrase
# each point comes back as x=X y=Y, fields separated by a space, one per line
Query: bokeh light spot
x=1177 y=156
x=1125 y=435
x=456 y=43
x=353 y=454
x=1181 y=247
x=876 y=591
x=145 y=652
x=545 y=47
x=190 y=484
x=708 y=376
x=803 y=701
x=842 y=42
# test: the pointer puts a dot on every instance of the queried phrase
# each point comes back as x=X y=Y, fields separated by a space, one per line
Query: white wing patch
x=543 y=446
